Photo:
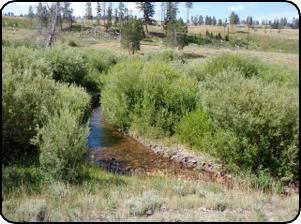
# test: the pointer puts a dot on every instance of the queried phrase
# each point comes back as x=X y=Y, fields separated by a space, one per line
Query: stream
x=122 y=154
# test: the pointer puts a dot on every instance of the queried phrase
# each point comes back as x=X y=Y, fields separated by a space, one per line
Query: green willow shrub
x=28 y=100
x=194 y=128
x=194 y=68
x=67 y=64
x=279 y=73
x=259 y=123
x=247 y=65
x=62 y=144
x=22 y=58
x=166 y=55
x=151 y=94
x=98 y=62
x=102 y=59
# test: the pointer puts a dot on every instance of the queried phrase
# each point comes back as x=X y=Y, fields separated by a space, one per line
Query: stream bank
x=124 y=154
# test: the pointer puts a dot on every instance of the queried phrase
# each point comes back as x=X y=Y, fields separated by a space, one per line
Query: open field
x=286 y=42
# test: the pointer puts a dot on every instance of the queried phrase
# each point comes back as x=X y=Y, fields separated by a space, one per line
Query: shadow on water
x=122 y=154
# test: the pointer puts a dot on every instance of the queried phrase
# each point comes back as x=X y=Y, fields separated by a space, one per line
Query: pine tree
x=188 y=6
x=30 y=14
x=234 y=19
x=121 y=13
x=116 y=17
x=104 y=13
x=213 y=21
x=181 y=37
x=209 y=20
x=109 y=18
x=206 y=20
x=177 y=34
x=220 y=23
x=163 y=13
x=201 y=20
x=195 y=21
x=131 y=34
x=98 y=13
x=148 y=9
x=88 y=12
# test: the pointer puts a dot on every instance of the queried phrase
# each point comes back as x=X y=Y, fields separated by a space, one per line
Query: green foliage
x=255 y=124
x=166 y=55
x=67 y=65
x=247 y=65
x=177 y=34
x=98 y=62
x=30 y=97
x=147 y=94
x=23 y=108
x=102 y=59
x=62 y=144
x=279 y=73
x=19 y=58
x=16 y=22
x=18 y=43
x=194 y=128
x=131 y=35
x=31 y=178
x=72 y=43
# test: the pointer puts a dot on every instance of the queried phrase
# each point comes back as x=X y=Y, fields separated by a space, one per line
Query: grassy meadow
x=238 y=106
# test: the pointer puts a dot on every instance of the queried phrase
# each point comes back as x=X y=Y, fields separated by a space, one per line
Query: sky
x=258 y=10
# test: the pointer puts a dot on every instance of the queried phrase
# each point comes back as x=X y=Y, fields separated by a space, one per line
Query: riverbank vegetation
x=234 y=107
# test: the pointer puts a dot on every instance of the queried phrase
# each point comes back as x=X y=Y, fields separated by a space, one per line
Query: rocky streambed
x=125 y=154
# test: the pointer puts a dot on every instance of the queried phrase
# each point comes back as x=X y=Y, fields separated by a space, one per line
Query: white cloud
x=238 y=8
x=241 y=7
x=234 y=9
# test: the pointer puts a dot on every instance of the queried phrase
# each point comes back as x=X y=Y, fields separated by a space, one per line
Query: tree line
x=56 y=14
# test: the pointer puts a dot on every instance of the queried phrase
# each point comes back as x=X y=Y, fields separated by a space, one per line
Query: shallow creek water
x=122 y=154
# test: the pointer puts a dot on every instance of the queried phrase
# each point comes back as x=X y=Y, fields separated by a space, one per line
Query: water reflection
x=122 y=154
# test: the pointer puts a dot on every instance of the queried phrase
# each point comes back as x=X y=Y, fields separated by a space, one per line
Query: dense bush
x=21 y=58
x=102 y=59
x=247 y=65
x=67 y=65
x=279 y=73
x=29 y=99
x=72 y=43
x=194 y=128
x=166 y=55
x=62 y=144
x=147 y=95
x=23 y=107
x=98 y=63
x=255 y=124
